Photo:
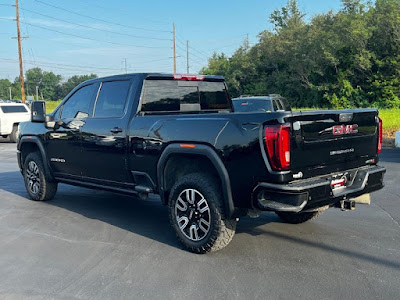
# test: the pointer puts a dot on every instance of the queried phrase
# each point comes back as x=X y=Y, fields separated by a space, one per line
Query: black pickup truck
x=178 y=136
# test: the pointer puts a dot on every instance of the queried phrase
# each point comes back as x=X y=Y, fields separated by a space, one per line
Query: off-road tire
x=297 y=218
x=14 y=134
x=39 y=188
x=221 y=229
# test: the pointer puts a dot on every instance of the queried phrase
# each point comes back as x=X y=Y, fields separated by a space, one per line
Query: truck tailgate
x=333 y=140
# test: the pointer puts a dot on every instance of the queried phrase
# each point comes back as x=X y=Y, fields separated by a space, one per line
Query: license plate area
x=341 y=181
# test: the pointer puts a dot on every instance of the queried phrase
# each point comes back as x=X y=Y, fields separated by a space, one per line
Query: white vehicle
x=11 y=114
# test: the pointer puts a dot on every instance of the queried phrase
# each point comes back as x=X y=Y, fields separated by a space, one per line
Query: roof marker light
x=187 y=146
x=188 y=77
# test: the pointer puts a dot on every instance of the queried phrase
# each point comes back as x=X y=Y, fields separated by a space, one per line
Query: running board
x=143 y=189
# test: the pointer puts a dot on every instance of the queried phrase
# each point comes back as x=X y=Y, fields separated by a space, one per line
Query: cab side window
x=275 y=105
x=78 y=105
x=112 y=99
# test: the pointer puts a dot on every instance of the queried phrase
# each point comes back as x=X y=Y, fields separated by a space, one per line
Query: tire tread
x=224 y=230
x=48 y=188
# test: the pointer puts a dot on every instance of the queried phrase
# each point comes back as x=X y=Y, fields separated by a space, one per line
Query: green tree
x=16 y=88
x=349 y=58
x=73 y=81
x=385 y=44
x=5 y=85
x=48 y=83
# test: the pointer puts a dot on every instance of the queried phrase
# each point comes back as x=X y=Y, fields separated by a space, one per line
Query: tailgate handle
x=345 y=117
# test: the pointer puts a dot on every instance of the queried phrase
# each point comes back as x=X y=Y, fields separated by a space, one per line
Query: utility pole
x=37 y=93
x=9 y=88
x=126 y=67
x=187 y=57
x=174 y=47
x=21 y=70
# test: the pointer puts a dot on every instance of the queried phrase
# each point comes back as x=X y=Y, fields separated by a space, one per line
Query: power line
x=94 y=28
x=156 y=60
x=123 y=12
x=97 y=19
x=206 y=56
x=70 y=44
x=184 y=44
x=58 y=65
x=179 y=47
x=68 y=66
x=195 y=55
x=191 y=52
x=90 y=39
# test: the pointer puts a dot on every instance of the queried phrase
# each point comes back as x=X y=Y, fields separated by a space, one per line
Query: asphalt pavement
x=89 y=244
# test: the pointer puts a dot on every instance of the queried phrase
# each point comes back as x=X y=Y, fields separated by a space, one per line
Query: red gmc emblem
x=344 y=129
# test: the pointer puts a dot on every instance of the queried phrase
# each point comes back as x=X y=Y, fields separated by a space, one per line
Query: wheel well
x=179 y=165
x=27 y=148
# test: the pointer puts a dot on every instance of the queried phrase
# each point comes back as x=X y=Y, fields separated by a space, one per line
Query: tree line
x=50 y=86
x=348 y=58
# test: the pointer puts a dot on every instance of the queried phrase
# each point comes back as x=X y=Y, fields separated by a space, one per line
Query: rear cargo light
x=188 y=77
x=380 y=136
x=277 y=143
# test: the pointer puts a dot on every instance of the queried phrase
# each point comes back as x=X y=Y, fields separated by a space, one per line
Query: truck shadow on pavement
x=150 y=219
x=5 y=140
x=299 y=241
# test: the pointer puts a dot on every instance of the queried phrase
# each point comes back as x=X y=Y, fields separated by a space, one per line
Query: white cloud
x=7 y=18
x=60 y=24
x=48 y=23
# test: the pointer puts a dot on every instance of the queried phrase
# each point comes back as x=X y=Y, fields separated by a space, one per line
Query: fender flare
x=37 y=141
x=207 y=152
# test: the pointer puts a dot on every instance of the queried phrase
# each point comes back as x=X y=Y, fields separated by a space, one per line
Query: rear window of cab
x=184 y=96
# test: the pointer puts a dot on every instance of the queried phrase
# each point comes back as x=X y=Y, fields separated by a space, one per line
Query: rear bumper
x=316 y=192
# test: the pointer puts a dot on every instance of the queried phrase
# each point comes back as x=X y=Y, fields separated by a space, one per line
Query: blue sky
x=88 y=36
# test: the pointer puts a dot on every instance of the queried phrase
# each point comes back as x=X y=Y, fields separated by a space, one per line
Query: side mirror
x=38 y=112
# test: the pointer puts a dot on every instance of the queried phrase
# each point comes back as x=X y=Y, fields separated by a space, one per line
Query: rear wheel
x=197 y=216
x=37 y=185
x=14 y=134
x=297 y=218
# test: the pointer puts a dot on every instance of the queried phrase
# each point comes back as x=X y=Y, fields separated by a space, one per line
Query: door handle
x=116 y=130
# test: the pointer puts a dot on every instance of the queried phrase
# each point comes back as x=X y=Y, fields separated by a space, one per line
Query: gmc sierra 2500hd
x=178 y=136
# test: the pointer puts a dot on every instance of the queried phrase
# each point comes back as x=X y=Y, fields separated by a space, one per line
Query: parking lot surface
x=89 y=244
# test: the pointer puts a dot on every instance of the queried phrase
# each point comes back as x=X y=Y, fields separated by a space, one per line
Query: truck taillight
x=380 y=136
x=188 y=77
x=277 y=143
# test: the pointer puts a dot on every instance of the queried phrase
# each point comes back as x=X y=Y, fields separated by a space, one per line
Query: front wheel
x=37 y=185
x=197 y=215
